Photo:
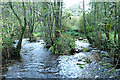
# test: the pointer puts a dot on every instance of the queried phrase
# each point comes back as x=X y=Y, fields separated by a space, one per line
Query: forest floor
x=37 y=62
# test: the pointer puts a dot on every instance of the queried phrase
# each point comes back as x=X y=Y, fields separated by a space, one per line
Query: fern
x=51 y=49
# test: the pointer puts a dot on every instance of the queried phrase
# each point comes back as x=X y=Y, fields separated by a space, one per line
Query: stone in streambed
x=79 y=59
x=80 y=38
x=80 y=63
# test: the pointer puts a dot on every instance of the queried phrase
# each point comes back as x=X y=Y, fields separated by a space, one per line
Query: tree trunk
x=57 y=23
x=21 y=35
x=110 y=19
x=89 y=39
x=49 y=24
x=115 y=23
x=32 y=22
x=119 y=25
x=23 y=29
x=106 y=33
x=61 y=13
x=98 y=30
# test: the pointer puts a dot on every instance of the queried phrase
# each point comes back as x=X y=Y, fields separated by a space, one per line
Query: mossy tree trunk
x=22 y=27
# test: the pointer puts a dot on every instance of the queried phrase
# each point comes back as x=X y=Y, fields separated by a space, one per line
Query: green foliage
x=51 y=49
x=7 y=41
x=70 y=23
x=80 y=24
x=38 y=34
x=64 y=44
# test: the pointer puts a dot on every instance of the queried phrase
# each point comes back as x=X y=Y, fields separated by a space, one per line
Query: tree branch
x=10 y=4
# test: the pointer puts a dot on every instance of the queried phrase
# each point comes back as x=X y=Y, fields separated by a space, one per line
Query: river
x=37 y=62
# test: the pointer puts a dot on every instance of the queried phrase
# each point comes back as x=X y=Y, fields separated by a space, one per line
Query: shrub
x=63 y=45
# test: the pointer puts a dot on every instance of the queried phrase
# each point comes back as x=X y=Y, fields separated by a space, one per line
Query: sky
x=69 y=3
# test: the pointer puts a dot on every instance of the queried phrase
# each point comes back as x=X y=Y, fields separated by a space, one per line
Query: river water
x=37 y=62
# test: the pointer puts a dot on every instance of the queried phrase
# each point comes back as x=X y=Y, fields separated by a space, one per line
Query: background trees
x=102 y=22
x=59 y=27
x=32 y=20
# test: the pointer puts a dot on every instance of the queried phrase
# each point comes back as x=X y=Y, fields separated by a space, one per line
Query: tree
x=115 y=22
x=31 y=20
x=57 y=18
x=119 y=25
x=105 y=7
x=20 y=22
x=86 y=33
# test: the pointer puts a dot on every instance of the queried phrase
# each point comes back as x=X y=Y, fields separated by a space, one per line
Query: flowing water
x=38 y=62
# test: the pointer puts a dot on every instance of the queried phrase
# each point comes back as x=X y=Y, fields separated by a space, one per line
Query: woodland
x=60 y=27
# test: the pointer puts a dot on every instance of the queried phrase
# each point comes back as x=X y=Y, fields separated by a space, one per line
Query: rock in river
x=80 y=63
